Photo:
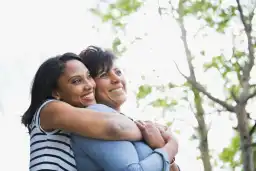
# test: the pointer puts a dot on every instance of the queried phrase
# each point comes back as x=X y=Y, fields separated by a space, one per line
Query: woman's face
x=111 y=88
x=75 y=85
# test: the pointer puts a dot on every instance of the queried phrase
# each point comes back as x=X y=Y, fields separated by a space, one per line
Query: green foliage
x=169 y=124
x=228 y=154
x=228 y=66
x=164 y=103
x=117 y=47
x=115 y=14
x=116 y=11
x=232 y=154
x=215 y=15
x=212 y=12
x=144 y=90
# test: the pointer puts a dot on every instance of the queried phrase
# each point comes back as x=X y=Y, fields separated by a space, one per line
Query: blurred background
x=189 y=64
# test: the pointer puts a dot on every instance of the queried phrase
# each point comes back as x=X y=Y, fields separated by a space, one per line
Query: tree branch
x=191 y=108
x=234 y=96
x=248 y=28
x=192 y=78
x=253 y=144
x=251 y=15
x=234 y=55
x=241 y=13
x=199 y=30
x=253 y=128
x=250 y=95
x=201 y=89
x=247 y=23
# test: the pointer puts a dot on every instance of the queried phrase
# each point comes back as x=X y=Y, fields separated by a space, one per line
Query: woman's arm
x=116 y=155
x=85 y=122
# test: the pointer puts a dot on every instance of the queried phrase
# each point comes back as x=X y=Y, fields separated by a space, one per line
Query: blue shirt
x=98 y=155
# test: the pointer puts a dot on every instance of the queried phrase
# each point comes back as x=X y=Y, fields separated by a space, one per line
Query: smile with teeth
x=88 y=96
x=116 y=90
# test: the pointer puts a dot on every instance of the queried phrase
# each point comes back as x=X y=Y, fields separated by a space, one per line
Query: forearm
x=125 y=129
x=87 y=122
x=108 y=127
x=122 y=127
x=170 y=150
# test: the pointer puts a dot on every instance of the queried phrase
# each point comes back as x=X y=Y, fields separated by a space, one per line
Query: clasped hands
x=158 y=136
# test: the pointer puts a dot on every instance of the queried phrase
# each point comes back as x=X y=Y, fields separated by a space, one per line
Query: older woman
x=118 y=155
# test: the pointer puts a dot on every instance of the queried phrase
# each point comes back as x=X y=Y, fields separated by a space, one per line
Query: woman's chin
x=119 y=101
x=87 y=103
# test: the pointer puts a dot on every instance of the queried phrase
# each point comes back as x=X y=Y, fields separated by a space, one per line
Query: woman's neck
x=117 y=109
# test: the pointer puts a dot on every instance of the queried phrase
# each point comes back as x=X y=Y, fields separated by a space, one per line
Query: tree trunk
x=204 y=149
x=202 y=131
x=245 y=138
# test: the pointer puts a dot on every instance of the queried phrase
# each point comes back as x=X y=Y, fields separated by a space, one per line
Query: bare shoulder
x=54 y=107
x=52 y=112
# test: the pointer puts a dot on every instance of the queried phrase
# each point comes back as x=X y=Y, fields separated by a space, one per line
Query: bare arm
x=89 y=123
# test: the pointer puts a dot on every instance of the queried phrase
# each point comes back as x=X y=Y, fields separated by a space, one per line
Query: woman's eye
x=76 y=81
x=119 y=72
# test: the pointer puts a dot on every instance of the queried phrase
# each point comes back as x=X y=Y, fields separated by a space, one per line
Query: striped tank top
x=49 y=150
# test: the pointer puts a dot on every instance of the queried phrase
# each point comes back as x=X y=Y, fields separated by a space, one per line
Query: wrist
x=171 y=150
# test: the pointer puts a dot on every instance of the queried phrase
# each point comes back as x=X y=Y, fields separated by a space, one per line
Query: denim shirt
x=100 y=155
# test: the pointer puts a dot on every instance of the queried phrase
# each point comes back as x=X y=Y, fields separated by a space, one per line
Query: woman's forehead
x=74 y=66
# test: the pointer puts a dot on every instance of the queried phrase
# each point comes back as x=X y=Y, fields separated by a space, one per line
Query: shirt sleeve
x=117 y=155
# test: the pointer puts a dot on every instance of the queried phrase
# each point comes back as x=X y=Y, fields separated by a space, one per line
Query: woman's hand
x=151 y=134
x=163 y=130
x=161 y=127
x=171 y=141
x=172 y=145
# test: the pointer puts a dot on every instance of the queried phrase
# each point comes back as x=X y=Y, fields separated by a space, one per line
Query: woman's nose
x=88 y=85
x=115 y=78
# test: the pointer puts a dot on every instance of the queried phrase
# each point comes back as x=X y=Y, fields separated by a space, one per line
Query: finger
x=169 y=128
x=140 y=125
x=142 y=122
x=166 y=136
x=161 y=130
x=148 y=122
x=160 y=127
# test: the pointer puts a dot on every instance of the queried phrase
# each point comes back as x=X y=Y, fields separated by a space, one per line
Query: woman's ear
x=56 y=94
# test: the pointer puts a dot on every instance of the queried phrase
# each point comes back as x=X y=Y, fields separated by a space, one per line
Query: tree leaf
x=144 y=90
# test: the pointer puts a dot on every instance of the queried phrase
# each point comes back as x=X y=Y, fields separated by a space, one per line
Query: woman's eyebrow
x=73 y=76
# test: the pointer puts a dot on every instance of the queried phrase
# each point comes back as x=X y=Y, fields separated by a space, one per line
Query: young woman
x=61 y=89
x=119 y=155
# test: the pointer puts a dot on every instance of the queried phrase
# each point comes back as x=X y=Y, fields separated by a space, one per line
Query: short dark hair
x=45 y=81
x=97 y=60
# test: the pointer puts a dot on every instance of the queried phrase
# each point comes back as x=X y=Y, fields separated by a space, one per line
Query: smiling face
x=111 y=88
x=75 y=85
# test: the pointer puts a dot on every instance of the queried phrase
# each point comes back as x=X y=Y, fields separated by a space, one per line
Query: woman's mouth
x=116 y=90
x=89 y=96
